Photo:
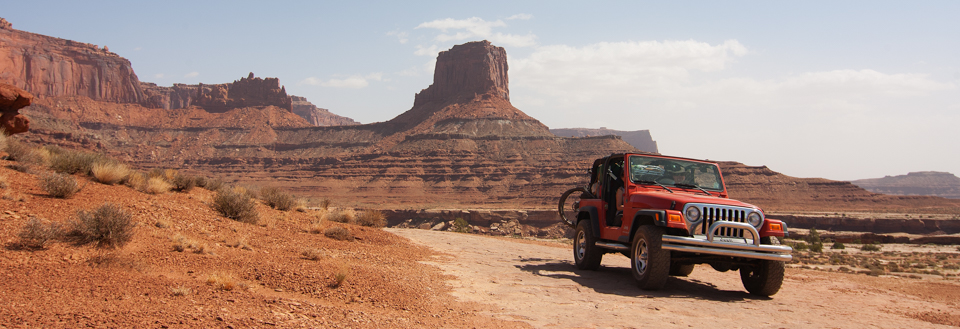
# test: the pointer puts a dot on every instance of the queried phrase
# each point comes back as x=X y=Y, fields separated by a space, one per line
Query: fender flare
x=593 y=217
x=659 y=219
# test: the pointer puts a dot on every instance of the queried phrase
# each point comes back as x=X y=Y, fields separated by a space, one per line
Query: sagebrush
x=277 y=198
x=37 y=232
x=106 y=226
x=338 y=233
x=59 y=185
x=371 y=218
x=235 y=204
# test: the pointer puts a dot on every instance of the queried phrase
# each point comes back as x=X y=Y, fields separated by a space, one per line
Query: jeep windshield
x=674 y=172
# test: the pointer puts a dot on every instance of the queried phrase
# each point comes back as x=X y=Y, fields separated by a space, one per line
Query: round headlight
x=754 y=219
x=692 y=214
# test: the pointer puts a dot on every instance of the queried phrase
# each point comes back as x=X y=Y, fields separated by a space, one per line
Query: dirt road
x=538 y=283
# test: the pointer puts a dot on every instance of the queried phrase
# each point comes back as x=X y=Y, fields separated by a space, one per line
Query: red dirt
x=66 y=285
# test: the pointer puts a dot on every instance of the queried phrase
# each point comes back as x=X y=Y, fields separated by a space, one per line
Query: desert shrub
x=212 y=184
x=16 y=150
x=182 y=243
x=870 y=247
x=59 y=185
x=338 y=233
x=277 y=198
x=28 y=159
x=37 y=232
x=107 y=226
x=341 y=216
x=233 y=203
x=800 y=246
x=165 y=174
x=157 y=185
x=372 y=218
x=75 y=161
x=461 y=225
x=838 y=245
x=183 y=182
x=325 y=204
x=816 y=247
x=109 y=172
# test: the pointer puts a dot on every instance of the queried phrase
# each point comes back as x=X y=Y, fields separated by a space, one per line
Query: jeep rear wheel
x=649 y=263
x=586 y=254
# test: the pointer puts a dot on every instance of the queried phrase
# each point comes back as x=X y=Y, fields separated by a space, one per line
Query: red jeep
x=668 y=214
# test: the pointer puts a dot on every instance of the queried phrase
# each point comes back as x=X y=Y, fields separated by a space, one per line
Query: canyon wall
x=218 y=98
x=641 y=139
x=942 y=184
x=51 y=67
x=318 y=116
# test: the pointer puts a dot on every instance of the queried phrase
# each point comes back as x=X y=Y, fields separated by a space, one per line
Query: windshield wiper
x=654 y=183
x=692 y=186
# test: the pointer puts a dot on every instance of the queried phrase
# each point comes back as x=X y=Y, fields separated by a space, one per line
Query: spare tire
x=584 y=194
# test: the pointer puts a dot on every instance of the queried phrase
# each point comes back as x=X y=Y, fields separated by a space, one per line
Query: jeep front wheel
x=677 y=269
x=586 y=254
x=649 y=263
x=765 y=278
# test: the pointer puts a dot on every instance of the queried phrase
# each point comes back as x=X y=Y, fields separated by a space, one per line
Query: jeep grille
x=711 y=213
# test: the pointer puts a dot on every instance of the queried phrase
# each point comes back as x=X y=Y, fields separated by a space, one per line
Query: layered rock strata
x=942 y=184
x=218 y=98
x=641 y=139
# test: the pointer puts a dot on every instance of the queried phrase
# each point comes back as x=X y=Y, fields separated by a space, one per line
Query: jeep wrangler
x=668 y=214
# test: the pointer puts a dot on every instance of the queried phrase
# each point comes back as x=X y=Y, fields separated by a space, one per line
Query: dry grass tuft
x=37 y=232
x=162 y=223
x=371 y=218
x=325 y=204
x=222 y=281
x=3 y=182
x=312 y=254
x=109 y=172
x=157 y=185
x=59 y=185
x=211 y=184
x=235 y=204
x=181 y=291
x=182 y=243
x=137 y=180
x=338 y=233
x=238 y=243
x=107 y=226
x=341 y=276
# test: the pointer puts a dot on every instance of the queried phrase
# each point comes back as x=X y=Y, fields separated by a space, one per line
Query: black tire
x=677 y=269
x=649 y=263
x=765 y=278
x=584 y=194
x=586 y=254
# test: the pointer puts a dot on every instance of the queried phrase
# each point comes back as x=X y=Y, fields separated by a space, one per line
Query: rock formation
x=640 y=139
x=318 y=116
x=12 y=99
x=47 y=66
x=942 y=184
x=246 y=92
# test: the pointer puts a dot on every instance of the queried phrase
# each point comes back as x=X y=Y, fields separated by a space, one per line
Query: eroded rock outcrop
x=50 y=67
x=12 y=99
x=318 y=116
x=641 y=139
x=942 y=184
x=218 y=98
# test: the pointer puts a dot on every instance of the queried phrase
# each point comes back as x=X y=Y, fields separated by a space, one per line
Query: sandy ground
x=537 y=283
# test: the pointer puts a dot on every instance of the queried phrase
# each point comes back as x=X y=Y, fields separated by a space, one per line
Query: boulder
x=12 y=99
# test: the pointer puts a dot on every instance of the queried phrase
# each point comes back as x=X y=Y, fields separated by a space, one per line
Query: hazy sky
x=840 y=90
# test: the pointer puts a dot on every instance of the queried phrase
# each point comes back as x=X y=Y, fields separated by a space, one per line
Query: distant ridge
x=935 y=183
x=641 y=139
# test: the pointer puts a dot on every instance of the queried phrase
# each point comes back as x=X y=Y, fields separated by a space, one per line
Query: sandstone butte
x=462 y=145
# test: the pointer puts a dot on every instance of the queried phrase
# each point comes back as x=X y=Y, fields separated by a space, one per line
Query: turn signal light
x=776 y=227
x=674 y=218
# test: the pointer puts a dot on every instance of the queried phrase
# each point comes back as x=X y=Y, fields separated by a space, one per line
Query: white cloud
x=475 y=28
x=192 y=75
x=403 y=37
x=351 y=82
x=520 y=17
x=431 y=51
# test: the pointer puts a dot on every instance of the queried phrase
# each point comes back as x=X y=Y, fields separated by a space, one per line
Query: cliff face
x=942 y=184
x=641 y=139
x=47 y=66
x=465 y=70
x=318 y=116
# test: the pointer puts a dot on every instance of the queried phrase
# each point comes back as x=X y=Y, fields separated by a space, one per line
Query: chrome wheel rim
x=641 y=257
x=581 y=245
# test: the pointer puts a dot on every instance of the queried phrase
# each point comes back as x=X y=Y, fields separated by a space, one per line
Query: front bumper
x=724 y=246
